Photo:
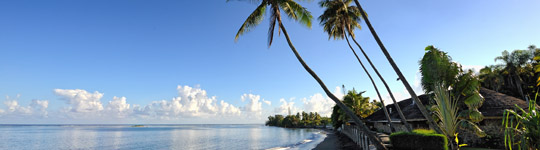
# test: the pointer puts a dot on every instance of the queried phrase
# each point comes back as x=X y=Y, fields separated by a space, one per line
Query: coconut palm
x=339 y=21
x=417 y=101
x=300 y=14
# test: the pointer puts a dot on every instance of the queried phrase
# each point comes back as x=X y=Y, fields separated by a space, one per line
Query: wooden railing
x=355 y=134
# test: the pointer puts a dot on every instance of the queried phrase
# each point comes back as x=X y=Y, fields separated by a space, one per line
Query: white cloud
x=253 y=105
x=36 y=109
x=81 y=101
x=40 y=107
x=118 y=107
x=191 y=102
x=14 y=107
x=269 y=103
x=338 y=93
x=228 y=109
x=285 y=107
x=475 y=68
x=320 y=104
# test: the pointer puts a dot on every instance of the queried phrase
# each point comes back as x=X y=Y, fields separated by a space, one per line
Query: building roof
x=493 y=107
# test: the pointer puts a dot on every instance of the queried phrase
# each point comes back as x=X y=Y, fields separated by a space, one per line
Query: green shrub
x=419 y=139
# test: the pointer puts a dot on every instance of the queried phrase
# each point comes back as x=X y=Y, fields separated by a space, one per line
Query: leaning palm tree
x=417 y=101
x=302 y=15
x=339 y=20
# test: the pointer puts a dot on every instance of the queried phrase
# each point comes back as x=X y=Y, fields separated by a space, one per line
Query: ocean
x=181 y=137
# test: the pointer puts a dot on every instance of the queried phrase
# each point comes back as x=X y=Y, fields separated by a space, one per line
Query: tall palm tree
x=339 y=20
x=513 y=64
x=417 y=101
x=302 y=15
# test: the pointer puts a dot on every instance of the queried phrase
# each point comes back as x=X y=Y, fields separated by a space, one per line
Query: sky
x=139 y=61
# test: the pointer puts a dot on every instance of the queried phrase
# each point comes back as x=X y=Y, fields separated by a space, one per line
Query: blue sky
x=144 y=50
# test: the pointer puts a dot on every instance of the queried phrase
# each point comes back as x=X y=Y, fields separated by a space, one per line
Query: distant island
x=138 y=125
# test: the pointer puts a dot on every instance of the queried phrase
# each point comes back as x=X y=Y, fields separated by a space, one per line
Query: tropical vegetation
x=300 y=120
x=446 y=111
x=402 y=78
x=300 y=14
x=517 y=75
x=522 y=128
x=360 y=105
x=339 y=20
x=438 y=69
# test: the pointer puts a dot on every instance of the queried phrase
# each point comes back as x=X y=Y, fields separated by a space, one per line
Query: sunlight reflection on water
x=154 y=137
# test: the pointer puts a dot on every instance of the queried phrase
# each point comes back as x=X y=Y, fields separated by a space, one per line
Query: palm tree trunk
x=419 y=104
x=392 y=127
x=401 y=116
x=376 y=141
x=517 y=79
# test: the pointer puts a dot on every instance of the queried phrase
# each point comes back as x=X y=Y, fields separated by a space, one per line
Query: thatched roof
x=494 y=105
x=410 y=111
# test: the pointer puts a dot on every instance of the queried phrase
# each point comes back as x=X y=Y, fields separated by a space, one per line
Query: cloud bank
x=191 y=103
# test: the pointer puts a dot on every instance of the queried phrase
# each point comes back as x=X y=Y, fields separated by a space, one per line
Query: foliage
x=419 y=139
x=446 y=111
x=437 y=68
x=522 y=130
x=339 y=18
x=359 y=104
x=292 y=9
x=491 y=78
x=298 y=121
x=517 y=76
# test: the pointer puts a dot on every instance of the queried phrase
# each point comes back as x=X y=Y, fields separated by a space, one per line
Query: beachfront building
x=493 y=107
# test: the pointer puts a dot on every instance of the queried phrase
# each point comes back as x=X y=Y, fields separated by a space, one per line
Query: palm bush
x=522 y=131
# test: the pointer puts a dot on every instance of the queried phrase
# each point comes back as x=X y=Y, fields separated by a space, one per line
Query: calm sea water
x=156 y=137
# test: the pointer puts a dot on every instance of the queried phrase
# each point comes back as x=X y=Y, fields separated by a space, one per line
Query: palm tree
x=302 y=15
x=513 y=64
x=490 y=77
x=417 y=101
x=339 y=20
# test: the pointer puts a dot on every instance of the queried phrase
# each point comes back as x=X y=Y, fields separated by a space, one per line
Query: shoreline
x=335 y=141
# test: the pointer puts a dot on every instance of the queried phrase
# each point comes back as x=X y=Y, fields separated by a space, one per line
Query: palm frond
x=339 y=19
x=273 y=19
x=446 y=110
x=253 y=20
x=251 y=1
x=303 y=16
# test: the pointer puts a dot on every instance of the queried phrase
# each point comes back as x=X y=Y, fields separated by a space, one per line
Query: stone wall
x=492 y=127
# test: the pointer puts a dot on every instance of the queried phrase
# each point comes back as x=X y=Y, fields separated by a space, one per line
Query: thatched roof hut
x=494 y=105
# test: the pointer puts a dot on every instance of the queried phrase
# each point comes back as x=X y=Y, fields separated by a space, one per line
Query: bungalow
x=493 y=107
